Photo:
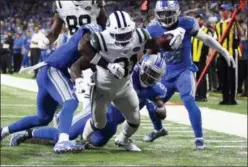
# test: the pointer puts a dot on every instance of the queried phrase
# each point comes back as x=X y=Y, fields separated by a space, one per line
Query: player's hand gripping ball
x=164 y=41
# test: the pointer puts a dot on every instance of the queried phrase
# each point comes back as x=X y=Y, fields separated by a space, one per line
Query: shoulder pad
x=97 y=42
x=143 y=35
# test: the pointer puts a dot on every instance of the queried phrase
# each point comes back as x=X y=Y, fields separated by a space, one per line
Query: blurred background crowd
x=22 y=21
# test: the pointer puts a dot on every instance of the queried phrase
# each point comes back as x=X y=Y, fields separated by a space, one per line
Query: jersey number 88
x=73 y=22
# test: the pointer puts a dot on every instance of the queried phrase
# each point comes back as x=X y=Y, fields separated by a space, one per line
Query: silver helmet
x=151 y=69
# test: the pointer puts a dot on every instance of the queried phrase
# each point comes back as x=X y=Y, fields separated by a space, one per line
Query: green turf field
x=175 y=149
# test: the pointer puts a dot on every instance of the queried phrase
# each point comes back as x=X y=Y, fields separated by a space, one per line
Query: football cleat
x=127 y=144
x=199 y=144
x=18 y=137
x=67 y=146
x=154 y=135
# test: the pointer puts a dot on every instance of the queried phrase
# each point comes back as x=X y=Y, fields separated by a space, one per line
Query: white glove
x=80 y=85
x=44 y=43
x=178 y=35
x=229 y=59
x=116 y=69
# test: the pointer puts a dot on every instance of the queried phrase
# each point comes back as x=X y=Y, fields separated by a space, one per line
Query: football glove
x=229 y=59
x=178 y=35
x=116 y=69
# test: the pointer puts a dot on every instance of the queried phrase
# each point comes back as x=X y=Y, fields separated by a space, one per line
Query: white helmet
x=167 y=12
x=88 y=4
x=121 y=26
x=151 y=69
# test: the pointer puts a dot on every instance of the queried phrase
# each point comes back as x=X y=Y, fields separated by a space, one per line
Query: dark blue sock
x=66 y=115
x=157 y=124
x=47 y=133
x=27 y=123
x=194 y=115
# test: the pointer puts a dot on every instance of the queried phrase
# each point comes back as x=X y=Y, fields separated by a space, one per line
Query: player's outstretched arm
x=87 y=53
x=55 y=30
x=212 y=43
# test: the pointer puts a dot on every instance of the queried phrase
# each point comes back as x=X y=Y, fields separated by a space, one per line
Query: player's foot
x=126 y=143
x=3 y=132
x=199 y=144
x=19 y=137
x=67 y=146
x=154 y=135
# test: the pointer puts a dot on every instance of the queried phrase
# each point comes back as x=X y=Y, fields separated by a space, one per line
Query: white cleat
x=126 y=143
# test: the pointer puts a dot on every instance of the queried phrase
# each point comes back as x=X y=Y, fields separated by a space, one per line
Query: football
x=164 y=41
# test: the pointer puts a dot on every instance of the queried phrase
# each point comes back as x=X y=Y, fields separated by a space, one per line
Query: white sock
x=87 y=131
x=63 y=137
x=5 y=132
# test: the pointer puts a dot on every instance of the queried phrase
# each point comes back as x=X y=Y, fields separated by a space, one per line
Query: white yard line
x=216 y=120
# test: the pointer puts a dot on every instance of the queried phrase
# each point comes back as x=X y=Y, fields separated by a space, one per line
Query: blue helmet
x=151 y=69
x=167 y=12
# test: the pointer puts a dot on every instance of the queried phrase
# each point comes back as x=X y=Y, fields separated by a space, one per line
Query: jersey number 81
x=73 y=22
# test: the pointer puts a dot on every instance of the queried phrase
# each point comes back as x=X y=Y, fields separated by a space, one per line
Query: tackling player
x=55 y=88
x=145 y=79
x=180 y=69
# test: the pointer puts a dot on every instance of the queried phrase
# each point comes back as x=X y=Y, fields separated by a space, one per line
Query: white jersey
x=76 y=16
x=110 y=51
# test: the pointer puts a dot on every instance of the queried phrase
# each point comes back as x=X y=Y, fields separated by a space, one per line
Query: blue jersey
x=153 y=92
x=179 y=60
x=67 y=54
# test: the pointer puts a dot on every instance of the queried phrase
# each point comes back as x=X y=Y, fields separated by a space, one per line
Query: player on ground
x=145 y=79
x=180 y=69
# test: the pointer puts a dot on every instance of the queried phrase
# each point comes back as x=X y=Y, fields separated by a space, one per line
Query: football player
x=55 y=88
x=146 y=83
x=180 y=69
x=74 y=14
x=120 y=43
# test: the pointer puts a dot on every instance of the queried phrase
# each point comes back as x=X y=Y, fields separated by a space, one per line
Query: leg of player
x=101 y=137
x=51 y=133
x=186 y=87
x=128 y=103
x=159 y=130
x=61 y=89
x=46 y=107
x=100 y=100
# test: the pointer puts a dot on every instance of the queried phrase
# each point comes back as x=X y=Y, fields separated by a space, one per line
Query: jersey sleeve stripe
x=99 y=41
x=60 y=5
x=141 y=34
x=104 y=43
x=146 y=34
x=140 y=38
x=118 y=20
x=124 y=19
